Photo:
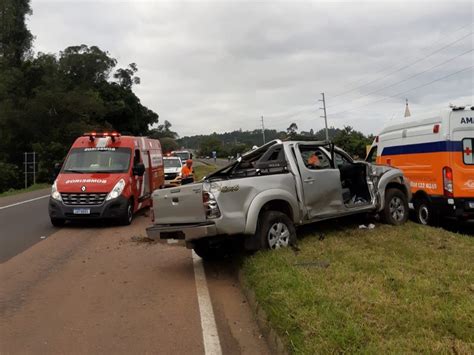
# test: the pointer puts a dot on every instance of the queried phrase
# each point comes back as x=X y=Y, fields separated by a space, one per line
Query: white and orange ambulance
x=106 y=176
x=435 y=151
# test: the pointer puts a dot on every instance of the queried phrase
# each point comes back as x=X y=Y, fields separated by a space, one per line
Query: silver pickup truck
x=267 y=192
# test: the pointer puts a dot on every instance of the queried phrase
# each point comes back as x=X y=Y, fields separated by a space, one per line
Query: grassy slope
x=392 y=289
x=203 y=170
x=30 y=188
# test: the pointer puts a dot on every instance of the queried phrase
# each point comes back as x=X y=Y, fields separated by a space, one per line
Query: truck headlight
x=117 y=190
x=55 y=193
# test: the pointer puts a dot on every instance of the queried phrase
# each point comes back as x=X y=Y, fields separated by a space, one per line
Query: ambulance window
x=467 y=151
x=136 y=158
x=372 y=156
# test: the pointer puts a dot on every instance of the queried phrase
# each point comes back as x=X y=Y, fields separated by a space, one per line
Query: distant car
x=207 y=157
x=172 y=168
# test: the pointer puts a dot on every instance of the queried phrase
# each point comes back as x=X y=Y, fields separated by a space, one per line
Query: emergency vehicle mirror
x=57 y=168
x=139 y=169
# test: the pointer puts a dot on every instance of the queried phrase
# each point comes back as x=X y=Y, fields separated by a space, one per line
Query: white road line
x=212 y=345
x=22 y=202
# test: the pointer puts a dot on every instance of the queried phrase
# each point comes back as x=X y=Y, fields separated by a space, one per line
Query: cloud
x=216 y=66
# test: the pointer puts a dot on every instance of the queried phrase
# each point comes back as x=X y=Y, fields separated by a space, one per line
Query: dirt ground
x=106 y=289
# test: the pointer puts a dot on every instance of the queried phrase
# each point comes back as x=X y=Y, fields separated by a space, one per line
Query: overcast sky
x=219 y=65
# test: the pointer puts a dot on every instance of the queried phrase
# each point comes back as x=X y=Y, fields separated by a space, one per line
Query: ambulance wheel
x=58 y=222
x=395 y=211
x=127 y=217
x=424 y=214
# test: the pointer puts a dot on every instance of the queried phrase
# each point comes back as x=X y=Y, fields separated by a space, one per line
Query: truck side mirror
x=139 y=169
x=57 y=169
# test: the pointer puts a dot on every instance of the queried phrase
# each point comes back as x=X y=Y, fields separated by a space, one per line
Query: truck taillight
x=448 y=181
x=210 y=205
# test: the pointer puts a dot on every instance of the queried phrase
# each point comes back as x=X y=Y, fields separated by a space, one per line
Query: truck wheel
x=58 y=222
x=127 y=217
x=275 y=230
x=395 y=211
x=424 y=214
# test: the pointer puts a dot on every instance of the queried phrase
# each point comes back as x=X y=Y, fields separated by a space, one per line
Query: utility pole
x=263 y=131
x=325 y=116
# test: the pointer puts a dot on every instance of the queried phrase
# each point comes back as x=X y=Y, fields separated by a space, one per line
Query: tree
x=126 y=77
x=15 y=38
x=168 y=145
x=353 y=142
x=292 y=130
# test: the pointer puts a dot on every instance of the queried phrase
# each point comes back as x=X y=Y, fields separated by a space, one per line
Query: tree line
x=47 y=100
x=238 y=141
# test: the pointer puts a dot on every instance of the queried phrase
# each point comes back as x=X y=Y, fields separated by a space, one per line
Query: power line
x=405 y=66
x=412 y=57
x=411 y=77
x=403 y=92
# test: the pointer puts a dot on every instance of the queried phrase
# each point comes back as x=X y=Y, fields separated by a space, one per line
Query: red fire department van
x=106 y=176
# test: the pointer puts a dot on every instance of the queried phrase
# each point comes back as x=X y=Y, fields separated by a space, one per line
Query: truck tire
x=127 y=216
x=424 y=213
x=275 y=230
x=58 y=222
x=395 y=211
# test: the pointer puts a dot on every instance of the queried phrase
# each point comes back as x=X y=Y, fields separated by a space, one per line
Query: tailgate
x=181 y=205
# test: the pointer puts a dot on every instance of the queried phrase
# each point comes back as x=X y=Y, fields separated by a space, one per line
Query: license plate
x=471 y=204
x=81 y=211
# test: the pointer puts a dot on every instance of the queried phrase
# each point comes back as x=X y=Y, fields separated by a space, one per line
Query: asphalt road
x=24 y=224
x=100 y=288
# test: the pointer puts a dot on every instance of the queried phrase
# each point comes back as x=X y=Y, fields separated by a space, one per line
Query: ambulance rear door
x=462 y=160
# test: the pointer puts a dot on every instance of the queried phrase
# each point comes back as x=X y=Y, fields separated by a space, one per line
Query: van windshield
x=172 y=163
x=98 y=160
x=182 y=155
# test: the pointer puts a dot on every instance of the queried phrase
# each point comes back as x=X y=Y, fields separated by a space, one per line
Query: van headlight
x=55 y=193
x=117 y=190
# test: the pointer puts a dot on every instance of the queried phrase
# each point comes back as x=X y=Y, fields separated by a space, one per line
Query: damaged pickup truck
x=267 y=192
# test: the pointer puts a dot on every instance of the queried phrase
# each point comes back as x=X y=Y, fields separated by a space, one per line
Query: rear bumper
x=112 y=209
x=459 y=208
x=187 y=232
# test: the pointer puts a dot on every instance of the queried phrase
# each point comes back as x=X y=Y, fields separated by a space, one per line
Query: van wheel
x=275 y=230
x=127 y=217
x=424 y=213
x=395 y=211
x=58 y=222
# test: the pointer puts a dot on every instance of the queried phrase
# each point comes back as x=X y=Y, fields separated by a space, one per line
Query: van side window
x=467 y=151
x=136 y=157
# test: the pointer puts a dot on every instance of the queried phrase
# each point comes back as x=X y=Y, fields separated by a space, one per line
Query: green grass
x=407 y=289
x=203 y=170
x=35 y=187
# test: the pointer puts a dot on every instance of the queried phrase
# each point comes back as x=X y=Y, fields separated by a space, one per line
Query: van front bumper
x=187 y=232
x=111 y=209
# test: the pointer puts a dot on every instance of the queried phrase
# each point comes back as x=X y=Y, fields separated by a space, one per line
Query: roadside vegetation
x=407 y=289
x=202 y=170
x=35 y=187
